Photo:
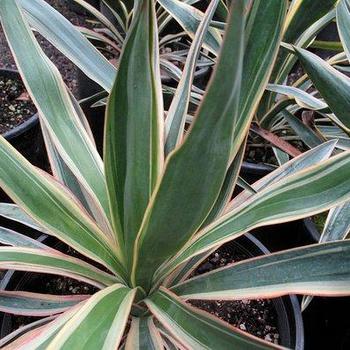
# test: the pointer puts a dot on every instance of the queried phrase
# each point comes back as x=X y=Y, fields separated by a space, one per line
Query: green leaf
x=259 y=58
x=297 y=22
x=99 y=324
x=176 y=117
x=53 y=207
x=196 y=329
x=332 y=85
x=337 y=225
x=306 y=134
x=305 y=160
x=68 y=39
x=35 y=304
x=15 y=213
x=302 y=98
x=190 y=18
x=38 y=260
x=320 y=269
x=63 y=174
x=343 y=21
x=25 y=330
x=134 y=128
x=143 y=335
x=227 y=188
x=15 y=239
x=46 y=87
x=336 y=228
x=303 y=194
x=40 y=337
x=300 y=30
x=206 y=151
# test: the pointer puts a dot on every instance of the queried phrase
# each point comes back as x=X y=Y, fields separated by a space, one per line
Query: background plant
x=160 y=202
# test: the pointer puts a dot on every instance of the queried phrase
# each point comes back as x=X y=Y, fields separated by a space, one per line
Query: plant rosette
x=160 y=201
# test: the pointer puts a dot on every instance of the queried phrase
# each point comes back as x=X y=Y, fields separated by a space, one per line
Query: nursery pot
x=282 y=236
x=290 y=324
x=327 y=324
x=289 y=318
x=26 y=137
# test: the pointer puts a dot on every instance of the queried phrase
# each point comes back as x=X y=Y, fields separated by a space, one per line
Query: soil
x=15 y=105
x=57 y=285
x=257 y=317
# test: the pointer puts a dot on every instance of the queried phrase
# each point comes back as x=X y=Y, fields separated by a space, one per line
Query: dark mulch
x=257 y=317
x=15 y=106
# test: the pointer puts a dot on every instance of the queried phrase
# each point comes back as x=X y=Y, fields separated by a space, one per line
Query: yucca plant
x=159 y=203
x=73 y=41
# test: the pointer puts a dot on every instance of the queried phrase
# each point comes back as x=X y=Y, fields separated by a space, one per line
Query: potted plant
x=139 y=223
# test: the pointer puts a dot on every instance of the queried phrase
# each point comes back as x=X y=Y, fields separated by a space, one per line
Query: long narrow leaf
x=206 y=151
x=305 y=160
x=49 y=203
x=46 y=87
x=99 y=324
x=190 y=18
x=15 y=239
x=38 y=260
x=15 y=213
x=305 y=193
x=196 y=329
x=66 y=38
x=143 y=335
x=321 y=269
x=259 y=58
x=134 y=128
x=34 y=304
x=176 y=117
x=332 y=85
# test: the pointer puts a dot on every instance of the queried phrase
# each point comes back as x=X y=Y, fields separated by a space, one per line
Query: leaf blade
x=133 y=142
x=322 y=269
x=200 y=149
x=197 y=329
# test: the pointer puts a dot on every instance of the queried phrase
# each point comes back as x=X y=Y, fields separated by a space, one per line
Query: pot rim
x=26 y=125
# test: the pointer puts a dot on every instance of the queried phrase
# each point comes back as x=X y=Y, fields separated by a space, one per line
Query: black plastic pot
x=289 y=318
x=26 y=137
x=327 y=324
x=282 y=236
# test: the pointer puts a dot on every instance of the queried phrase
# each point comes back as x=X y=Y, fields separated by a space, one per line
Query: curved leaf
x=38 y=260
x=332 y=85
x=190 y=18
x=320 y=269
x=66 y=38
x=305 y=193
x=34 y=304
x=100 y=322
x=49 y=94
x=49 y=203
x=196 y=329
